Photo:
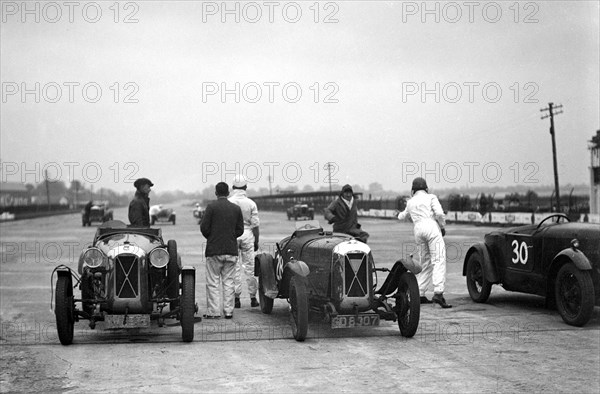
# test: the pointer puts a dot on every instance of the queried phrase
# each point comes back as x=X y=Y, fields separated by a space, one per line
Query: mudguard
x=187 y=268
x=576 y=256
x=297 y=267
x=489 y=269
x=263 y=266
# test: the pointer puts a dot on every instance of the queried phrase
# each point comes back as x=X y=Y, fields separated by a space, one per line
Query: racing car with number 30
x=128 y=276
x=334 y=275
x=555 y=259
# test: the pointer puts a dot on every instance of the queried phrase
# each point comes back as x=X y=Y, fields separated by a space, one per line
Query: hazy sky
x=86 y=95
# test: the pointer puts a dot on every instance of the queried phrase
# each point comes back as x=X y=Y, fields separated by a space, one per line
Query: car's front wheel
x=479 y=287
x=409 y=304
x=188 y=306
x=574 y=293
x=64 y=309
x=298 y=299
x=266 y=303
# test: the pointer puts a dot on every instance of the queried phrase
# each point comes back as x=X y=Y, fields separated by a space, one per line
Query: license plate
x=132 y=321
x=348 y=321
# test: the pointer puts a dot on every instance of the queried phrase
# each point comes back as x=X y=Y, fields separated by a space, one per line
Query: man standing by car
x=425 y=211
x=247 y=243
x=139 y=215
x=221 y=225
x=342 y=212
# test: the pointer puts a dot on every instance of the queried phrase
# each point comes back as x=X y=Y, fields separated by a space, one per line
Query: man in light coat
x=425 y=211
x=247 y=242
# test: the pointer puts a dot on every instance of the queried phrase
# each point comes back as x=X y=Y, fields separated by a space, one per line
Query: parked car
x=335 y=275
x=555 y=259
x=300 y=211
x=198 y=213
x=99 y=212
x=127 y=277
x=160 y=214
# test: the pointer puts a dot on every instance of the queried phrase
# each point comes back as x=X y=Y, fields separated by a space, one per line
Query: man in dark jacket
x=221 y=225
x=139 y=215
x=342 y=213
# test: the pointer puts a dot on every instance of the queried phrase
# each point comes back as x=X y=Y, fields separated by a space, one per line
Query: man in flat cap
x=342 y=213
x=139 y=215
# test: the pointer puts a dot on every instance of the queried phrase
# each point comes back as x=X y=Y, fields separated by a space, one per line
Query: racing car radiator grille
x=126 y=276
x=355 y=275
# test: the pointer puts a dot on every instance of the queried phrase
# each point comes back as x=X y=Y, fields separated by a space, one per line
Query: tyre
x=172 y=273
x=153 y=220
x=188 y=306
x=173 y=220
x=478 y=285
x=64 y=309
x=298 y=308
x=574 y=293
x=266 y=303
x=409 y=311
x=87 y=292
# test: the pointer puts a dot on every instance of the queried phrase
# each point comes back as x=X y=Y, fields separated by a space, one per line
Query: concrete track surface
x=510 y=344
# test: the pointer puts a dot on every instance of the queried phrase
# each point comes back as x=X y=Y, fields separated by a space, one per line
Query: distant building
x=13 y=194
x=595 y=174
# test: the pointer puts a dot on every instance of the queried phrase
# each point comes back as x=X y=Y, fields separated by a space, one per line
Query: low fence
x=501 y=218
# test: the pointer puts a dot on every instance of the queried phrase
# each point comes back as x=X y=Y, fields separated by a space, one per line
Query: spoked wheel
x=574 y=292
x=298 y=300
x=408 y=304
x=64 y=309
x=479 y=287
x=188 y=305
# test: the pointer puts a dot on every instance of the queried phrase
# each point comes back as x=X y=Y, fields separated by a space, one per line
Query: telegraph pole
x=47 y=188
x=329 y=175
x=551 y=108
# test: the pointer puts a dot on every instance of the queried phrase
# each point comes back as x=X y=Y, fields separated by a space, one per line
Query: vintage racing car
x=160 y=214
x=300 y=211
x=335 y=275
x=555 y=259
x=99 y=212
x=128 y=276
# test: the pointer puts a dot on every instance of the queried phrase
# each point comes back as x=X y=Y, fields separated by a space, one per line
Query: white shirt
x=423 y=206
x=248 y=207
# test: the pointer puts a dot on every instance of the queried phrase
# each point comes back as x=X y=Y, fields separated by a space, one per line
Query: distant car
x=127 y=277
x=100 y=212
x=301 y=211
x=334 y=274
x=555 y=259
x=198 y=213
x=160 y=214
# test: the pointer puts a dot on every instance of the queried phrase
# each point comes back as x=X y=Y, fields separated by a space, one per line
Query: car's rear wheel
x=266 y=303
x=409 y=304
x=479 y=287
x=172 y=274
x=64 y=309
x=188 y=305
x=153 y=220
x=574 y=293
x=298 y=299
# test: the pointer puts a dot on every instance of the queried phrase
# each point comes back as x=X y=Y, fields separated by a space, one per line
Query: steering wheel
x=557 y=216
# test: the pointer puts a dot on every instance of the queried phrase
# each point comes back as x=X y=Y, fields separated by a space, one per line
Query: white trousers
x=246 y=264
x=432 y=251
x=220 y=269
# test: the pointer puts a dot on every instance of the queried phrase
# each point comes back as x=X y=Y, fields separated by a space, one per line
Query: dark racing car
x=555 y=259
x=300 y=211
x=99 y=212
x=334 y=274
x=127 y=277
